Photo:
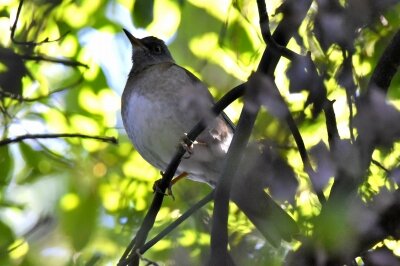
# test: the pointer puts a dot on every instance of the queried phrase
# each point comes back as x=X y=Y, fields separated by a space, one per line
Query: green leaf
x=143 y=12
x=32 y=159
x=4 y=13
x=6 y=165
x=79 y=222
x=7 y=237
x=237 y=39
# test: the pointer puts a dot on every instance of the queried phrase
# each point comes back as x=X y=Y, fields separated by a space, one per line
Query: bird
x=161 y=102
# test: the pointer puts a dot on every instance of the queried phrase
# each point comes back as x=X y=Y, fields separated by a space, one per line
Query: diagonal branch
x=387 y=66
x=219 y=232
x=177 y=222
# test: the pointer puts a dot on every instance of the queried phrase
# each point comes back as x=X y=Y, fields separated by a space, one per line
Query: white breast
x=145 y=121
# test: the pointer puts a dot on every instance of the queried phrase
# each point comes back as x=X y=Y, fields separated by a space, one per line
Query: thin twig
x=38 y=98
x=34 y=99
x=46 y=58
x=266 y=33
x=331 y=125
x=351 y=116
x=177 y=222
x=14 y=26
x=380 y=165
x=304 y=155
x=29 y=43
x=53 y=136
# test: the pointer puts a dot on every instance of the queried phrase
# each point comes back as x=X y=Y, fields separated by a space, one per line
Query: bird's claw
x=157 y=189
x=187 y=145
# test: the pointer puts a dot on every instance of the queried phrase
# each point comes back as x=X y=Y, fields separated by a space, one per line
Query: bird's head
x=147 y=51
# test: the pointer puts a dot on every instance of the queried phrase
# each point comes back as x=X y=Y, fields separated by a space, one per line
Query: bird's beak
x=134 y=41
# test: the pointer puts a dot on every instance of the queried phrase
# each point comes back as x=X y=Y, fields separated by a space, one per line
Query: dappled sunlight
x=70 y=194
x=69 y=201
x=207 y=47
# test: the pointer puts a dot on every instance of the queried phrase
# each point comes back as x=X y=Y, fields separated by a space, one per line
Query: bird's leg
x=156 y=187
x=177 y=178
x=187 y=144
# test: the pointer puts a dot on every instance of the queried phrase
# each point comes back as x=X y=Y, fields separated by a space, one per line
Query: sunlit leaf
x=79 y=218
x=32 y=160
x=237 y=39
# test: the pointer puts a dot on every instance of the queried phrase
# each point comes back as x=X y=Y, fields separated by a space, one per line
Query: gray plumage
x=161 y=102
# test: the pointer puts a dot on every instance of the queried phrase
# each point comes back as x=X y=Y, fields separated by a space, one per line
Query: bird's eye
x=157 y=49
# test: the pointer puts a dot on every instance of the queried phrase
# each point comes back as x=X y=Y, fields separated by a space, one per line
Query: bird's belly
x=146 y=121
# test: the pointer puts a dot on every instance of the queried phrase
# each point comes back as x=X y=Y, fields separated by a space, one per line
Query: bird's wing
x=222 y=128
x=224 y=117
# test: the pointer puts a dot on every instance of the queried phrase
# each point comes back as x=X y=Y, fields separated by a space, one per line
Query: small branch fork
x=29 y=43
x=39 y=57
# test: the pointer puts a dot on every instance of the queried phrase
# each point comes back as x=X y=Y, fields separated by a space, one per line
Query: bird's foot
x=187 y=144
x=157 y=189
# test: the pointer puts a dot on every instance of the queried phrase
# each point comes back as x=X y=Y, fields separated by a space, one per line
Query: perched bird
x=160 y=103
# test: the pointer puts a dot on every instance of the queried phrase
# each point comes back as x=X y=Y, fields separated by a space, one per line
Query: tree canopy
x=317 y=78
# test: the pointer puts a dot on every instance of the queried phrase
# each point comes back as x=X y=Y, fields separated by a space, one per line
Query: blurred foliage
x=74 y=201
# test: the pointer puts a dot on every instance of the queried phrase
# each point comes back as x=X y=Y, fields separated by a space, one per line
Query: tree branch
x=177 y=222
x=4 y=142
x=387 y=66
x=219 y=232
x=331 y=125
x=54 y=60
x=294 y=14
